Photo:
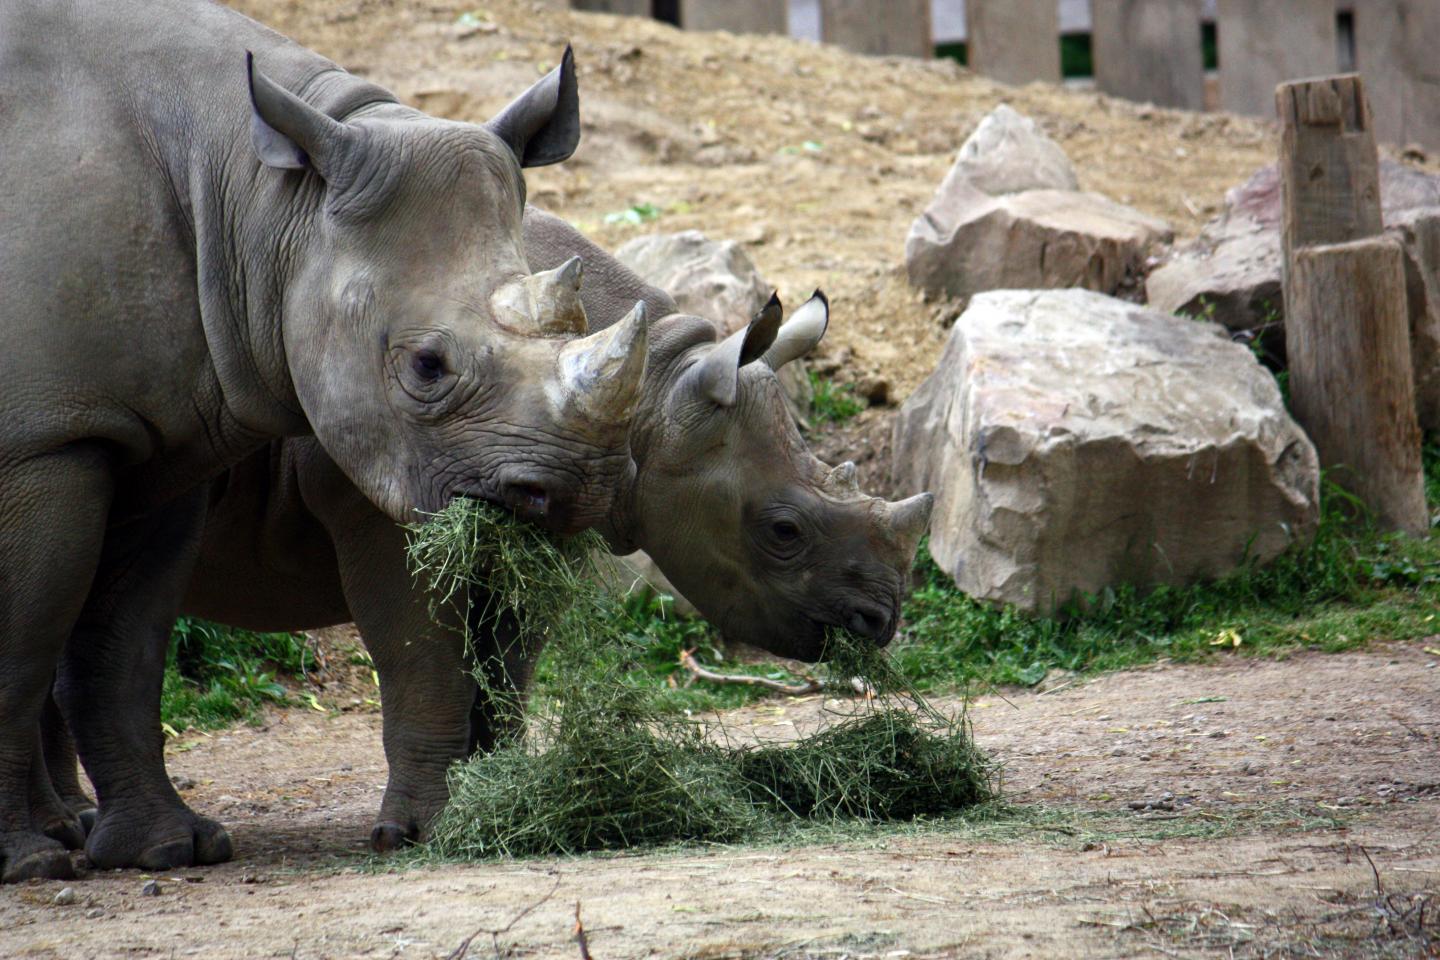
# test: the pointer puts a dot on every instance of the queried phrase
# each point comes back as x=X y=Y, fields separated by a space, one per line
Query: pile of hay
x=605 y=765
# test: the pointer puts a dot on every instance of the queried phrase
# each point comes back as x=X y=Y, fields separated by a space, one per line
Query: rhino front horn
x=840 y=481
x=909 y=519
x=601 y=373
x=545 y=304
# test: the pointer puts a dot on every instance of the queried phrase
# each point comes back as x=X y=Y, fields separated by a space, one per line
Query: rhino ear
x=542 y=125
x=801 y=332
x=289 y=134
x=717 y=377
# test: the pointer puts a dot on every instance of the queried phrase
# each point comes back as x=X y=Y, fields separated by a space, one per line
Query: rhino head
x=428 y=360
x=770 y=544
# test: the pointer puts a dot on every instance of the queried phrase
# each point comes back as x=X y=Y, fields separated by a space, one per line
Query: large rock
x=717 y=280
x=1076 y=442
x=1231 y=273
x=1009 y=214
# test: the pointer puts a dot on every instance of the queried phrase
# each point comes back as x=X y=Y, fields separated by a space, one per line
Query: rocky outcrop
x=1076 y=442
x=1009 y=215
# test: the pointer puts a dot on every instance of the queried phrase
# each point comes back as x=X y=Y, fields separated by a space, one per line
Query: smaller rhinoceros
x=203 y=250
x=769 y=543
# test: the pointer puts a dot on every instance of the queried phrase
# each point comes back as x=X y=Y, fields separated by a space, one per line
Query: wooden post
x=1347 y=325
x=736 y=16
x=1149 y=50
x=1397 y=50
x=1350 y=375
x=893 y=28
x=1266 y=42
x=1014 y=41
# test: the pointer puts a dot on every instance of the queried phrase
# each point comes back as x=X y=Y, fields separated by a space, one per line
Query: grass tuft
x=607 y=763
x=216 y=675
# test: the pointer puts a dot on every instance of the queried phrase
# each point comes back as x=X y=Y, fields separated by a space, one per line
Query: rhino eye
x=428 y=364
x=785 y=531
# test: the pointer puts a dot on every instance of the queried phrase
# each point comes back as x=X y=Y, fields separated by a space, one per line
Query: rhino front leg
x=52 y=525
x=109 y=692
x=424 y=684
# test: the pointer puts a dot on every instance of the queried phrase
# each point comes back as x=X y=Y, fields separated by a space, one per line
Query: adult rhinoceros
x=768 y=542
x=198 y=257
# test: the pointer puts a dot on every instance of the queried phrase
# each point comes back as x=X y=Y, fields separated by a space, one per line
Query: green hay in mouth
x=606 y=766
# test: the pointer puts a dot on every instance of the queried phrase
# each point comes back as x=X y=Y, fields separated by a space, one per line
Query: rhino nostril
x=528 y=499
x=870 y=622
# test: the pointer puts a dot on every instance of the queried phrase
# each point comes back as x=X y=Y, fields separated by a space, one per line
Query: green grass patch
x=1349 y=586
x=607 y=763
x=832 y=402
x=217 y=675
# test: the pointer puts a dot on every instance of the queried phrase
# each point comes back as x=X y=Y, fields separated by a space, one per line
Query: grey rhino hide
x=198 y=259
x=311 y=551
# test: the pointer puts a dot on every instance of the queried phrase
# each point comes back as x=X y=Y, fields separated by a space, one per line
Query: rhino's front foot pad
x=31 y=856
x=390 y=835
x=159 y=843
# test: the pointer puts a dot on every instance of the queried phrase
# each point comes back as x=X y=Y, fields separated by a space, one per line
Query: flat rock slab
x=1076 y=442
x=968 y=241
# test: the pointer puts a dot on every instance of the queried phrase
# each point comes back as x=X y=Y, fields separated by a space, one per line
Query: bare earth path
x=1279 y=774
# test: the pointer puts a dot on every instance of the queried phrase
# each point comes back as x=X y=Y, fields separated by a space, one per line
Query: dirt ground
x=1268 y=783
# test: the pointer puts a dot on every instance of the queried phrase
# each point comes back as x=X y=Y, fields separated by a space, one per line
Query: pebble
x=94 y=913
x=151 y=889
x=65 y=897
x=183 y=783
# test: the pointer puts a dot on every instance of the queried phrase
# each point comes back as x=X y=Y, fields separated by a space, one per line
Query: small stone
x=65 y=897
x=94 y=913
x=151 y=889
x=1218 y=734
x=183 y=783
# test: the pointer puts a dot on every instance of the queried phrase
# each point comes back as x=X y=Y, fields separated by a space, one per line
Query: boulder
x=1076 y=442
x=1010 y=214
x=1231 y=273
x=1009 y=153
x=717 y=280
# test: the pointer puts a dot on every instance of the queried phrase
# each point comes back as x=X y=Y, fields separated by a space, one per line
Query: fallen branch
x=811 y=685
x=460 y=951
x=580 y=935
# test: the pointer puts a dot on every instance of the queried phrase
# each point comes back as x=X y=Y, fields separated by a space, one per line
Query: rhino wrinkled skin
x=212 y=238
x=767 y=541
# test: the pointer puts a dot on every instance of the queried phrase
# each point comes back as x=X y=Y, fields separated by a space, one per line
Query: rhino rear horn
x=801 y=332
x=908 y=520
x=542 y=125
x=545 y=304
x=601 y=373
x=289 y=134
x=717 y=377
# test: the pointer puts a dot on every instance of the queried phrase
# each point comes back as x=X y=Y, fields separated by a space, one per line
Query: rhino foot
x=179 y=838
x=30 y=856
x=84 y=810
x=390 y=835
x=67 y=829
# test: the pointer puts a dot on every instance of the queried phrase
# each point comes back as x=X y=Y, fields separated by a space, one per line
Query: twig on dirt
x=1379 y=890
x=811 y=685
x=580 y=935
x=460 y=951
x=859 y=685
